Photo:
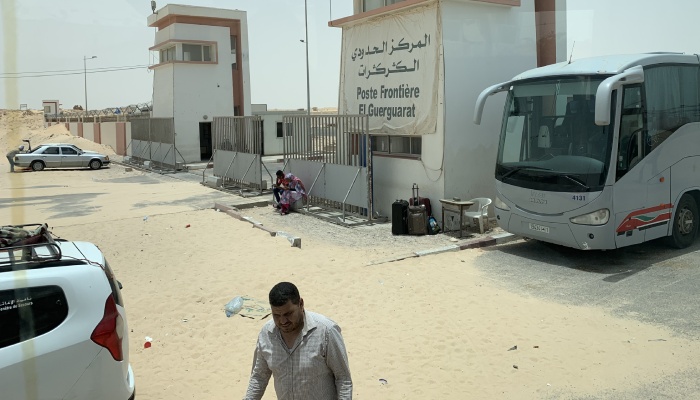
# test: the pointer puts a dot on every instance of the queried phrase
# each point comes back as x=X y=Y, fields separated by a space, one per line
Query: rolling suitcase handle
x=416 y=195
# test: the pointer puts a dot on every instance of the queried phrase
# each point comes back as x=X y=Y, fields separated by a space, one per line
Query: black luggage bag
x=417 y=220
x=416 y=200
x=399 y=212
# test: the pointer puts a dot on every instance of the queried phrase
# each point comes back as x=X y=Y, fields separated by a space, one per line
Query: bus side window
x=668 y=123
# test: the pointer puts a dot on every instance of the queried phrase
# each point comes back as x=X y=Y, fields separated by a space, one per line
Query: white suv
x=63 y=330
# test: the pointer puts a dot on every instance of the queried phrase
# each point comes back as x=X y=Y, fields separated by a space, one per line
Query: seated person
x=278 y=188
x=293 y=191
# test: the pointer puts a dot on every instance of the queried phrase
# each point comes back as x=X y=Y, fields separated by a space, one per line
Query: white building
x=202 y=73
x=272 y=129
x=51 y=107
x=416 y=68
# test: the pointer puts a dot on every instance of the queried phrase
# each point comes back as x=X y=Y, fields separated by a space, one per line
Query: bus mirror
x=481 y=100
x=604 y=93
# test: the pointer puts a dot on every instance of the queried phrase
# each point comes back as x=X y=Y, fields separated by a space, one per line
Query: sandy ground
x=431 y=327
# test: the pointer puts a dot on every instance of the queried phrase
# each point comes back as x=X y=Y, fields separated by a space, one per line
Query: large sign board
x=389 y=71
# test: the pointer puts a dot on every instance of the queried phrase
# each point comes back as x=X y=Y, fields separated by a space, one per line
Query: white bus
x=601 y=153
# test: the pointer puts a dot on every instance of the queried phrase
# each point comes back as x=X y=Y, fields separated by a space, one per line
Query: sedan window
x=68 y=151
x=51 y=150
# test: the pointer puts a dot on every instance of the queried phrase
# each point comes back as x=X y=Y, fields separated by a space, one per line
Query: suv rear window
x=30 y=312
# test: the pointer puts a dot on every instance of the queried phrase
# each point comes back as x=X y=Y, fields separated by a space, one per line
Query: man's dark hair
x=282 y=293
x=279 y=173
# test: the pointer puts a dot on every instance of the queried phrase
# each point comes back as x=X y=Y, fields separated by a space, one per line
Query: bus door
x=660 y=209
x=629 y=193
x=641 y=201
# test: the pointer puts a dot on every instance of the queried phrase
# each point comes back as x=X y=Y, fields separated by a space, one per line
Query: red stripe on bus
x=629 y=224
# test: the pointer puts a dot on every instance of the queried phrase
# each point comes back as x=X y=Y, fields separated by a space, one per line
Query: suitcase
x=416 y=200
x=399 y=212
x=417 y=220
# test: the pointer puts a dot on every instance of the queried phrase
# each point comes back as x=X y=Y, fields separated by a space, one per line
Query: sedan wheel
x=95 y=164
x=38 y=166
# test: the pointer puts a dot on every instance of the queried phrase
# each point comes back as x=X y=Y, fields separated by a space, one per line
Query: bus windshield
x=549 y=140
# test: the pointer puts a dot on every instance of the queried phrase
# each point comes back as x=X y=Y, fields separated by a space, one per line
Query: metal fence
x=237 y=152
x=332 y=155
x=153 y=144
x=106 y=114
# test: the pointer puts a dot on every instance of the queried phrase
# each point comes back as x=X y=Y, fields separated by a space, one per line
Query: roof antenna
x=572 y=51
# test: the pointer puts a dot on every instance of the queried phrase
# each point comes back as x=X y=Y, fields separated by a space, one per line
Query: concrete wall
x=163 y=91
x=484 y=44
x=108 y=133
x=393 y=177
x=89 y=131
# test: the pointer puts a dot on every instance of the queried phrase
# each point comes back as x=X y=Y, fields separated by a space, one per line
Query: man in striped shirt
x=303 y=350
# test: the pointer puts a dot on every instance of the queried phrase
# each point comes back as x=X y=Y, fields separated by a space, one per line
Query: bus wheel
x=685 y=223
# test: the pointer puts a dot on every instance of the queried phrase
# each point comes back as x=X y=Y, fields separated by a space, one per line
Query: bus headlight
x=498 y=203
x=599 y=217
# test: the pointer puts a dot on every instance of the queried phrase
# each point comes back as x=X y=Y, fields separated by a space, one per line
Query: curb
x=487 y=241
x=295 y=241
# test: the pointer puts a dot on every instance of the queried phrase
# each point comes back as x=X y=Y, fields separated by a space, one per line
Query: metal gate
x=238 y=152
x=331 y=154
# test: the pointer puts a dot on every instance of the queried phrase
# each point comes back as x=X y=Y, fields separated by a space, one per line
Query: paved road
x=649 y=282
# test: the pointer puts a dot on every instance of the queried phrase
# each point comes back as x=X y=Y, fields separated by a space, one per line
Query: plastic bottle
x=233 y=306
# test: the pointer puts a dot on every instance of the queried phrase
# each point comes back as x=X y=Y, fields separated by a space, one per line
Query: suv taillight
x=107 y=332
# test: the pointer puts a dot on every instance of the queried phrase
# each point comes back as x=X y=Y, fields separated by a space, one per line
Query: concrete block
x=294 y=240
x=213 y=181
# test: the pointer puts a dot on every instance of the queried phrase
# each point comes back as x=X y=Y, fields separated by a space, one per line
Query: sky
x=51 y=35
x=600 y=27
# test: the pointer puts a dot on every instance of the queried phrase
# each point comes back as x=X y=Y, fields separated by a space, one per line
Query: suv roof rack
x=29 y=243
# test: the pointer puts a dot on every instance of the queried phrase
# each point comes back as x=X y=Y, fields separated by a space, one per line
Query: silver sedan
x=60 y=155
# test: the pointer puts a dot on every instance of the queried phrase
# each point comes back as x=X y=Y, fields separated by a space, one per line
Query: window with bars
x=404 y=146
x=280 y=129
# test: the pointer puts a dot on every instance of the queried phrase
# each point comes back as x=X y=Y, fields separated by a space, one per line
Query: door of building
x=205 y=141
